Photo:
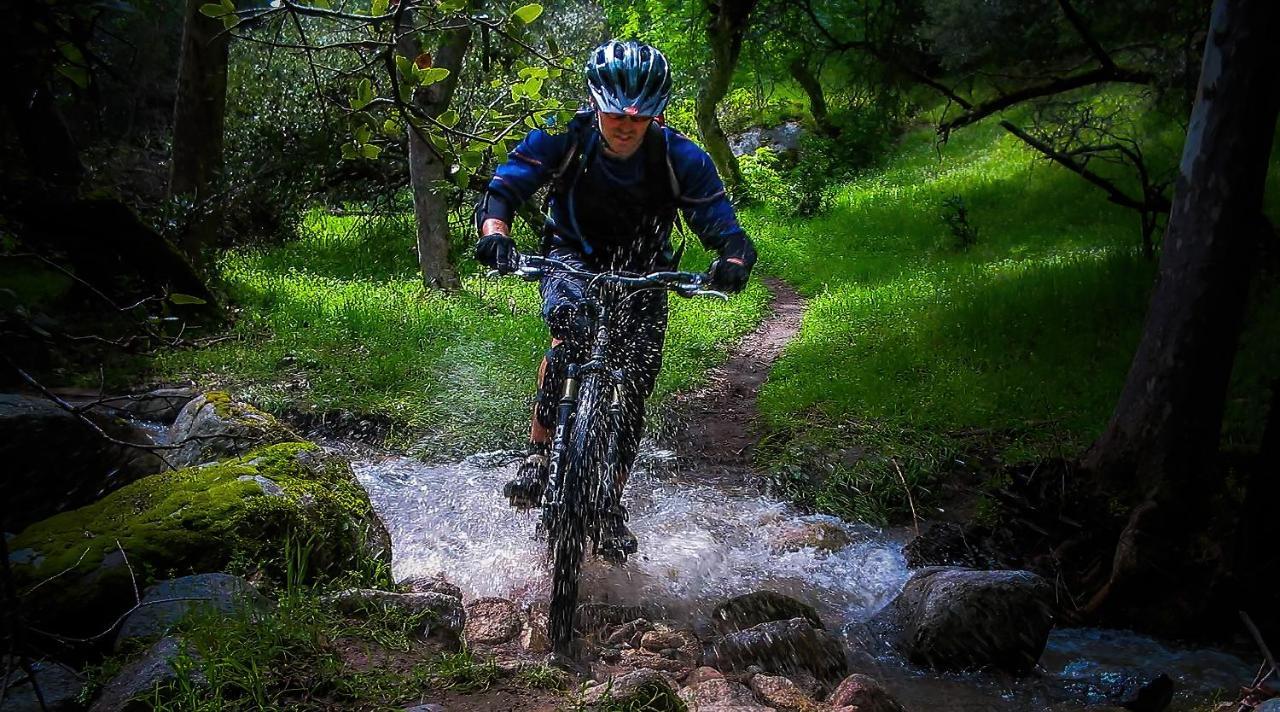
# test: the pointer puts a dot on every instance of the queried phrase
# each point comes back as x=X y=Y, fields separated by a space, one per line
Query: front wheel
x=567 y=530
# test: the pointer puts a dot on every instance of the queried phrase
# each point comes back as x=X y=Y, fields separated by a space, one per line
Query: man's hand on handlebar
x=497 y=251
x=728 y=275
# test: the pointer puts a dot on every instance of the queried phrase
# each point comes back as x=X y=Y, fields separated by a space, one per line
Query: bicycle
x=583 y=457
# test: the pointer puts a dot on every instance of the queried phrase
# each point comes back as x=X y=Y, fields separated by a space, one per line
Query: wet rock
x=718 y=695
x=1154 y=696
x=165 y=603
x=54 y=461
x=783 y=694
x=702 y=674
x=822 y=534
x=742 y=612
x=491 y=621
x=674 y=643
x=1272 y=705
x=59 y=687
x=534 y=637
x=196 y=519
x=592 y=618
x=648 y=688
x=214 y=427
x=156 y=667
x=861 y=693
x=430 y=584
x=428 y=707
x=781 y=647
x=626 y=634
x=957 y=619
x=443 y=616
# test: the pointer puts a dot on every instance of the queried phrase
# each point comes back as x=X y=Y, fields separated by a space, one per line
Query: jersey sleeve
x=528 y=167
x=703 y=202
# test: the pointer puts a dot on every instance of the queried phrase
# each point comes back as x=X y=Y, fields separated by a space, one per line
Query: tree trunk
x=1161 y=444
x=805 y=77
x=425 y=167
x=198 y=113
x=725 y=29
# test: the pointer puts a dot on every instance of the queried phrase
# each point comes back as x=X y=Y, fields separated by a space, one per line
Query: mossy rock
x=213 y=427
x=260 y=515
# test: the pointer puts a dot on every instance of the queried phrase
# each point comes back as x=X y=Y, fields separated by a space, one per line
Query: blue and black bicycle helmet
x=629 y=78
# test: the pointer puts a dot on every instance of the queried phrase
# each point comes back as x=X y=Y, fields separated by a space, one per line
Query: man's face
x=623 y=133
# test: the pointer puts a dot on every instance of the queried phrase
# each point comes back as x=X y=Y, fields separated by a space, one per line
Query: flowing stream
x=702 y=542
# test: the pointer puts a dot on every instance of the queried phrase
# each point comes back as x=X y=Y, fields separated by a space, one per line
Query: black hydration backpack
x=584 y=141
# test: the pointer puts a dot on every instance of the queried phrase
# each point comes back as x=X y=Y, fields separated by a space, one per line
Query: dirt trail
x=717 y=433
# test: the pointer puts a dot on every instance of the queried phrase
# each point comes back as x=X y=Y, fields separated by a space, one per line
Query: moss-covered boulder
x=213 y=427
x=282 y=509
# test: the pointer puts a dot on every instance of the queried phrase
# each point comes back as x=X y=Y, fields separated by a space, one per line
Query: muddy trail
x=708 y=532
x=715 y=424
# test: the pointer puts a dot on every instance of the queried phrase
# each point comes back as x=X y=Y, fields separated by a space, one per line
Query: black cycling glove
x=495 y=250
x=728 y=276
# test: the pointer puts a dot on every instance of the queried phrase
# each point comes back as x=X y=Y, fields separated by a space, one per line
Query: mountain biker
x=618 y=177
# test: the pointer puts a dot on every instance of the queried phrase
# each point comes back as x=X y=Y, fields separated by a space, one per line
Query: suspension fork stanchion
x=559 y=442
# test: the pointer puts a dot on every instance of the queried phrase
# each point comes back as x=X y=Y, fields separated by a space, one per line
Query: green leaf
x=179 y=298
x=212 y=10
x=350 y=152
x=322 y=4
x=364 y=95
x=363 y=134
x=405 y=65
x=449 y=118
x=528 y=13
x=379 y=7
x=554 y=49
x=471 y=159
x=391 y=128
x=447 y=6
x=229 y=21
x=462 y=178
x=370 y=151
x=433 y=75
x=78 y=75
x=406 y=93
x=439 y=141
x=532 y=87
x=229 y=5
x=500 y=148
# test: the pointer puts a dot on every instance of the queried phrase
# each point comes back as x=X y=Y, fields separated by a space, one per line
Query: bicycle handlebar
x=685 y=284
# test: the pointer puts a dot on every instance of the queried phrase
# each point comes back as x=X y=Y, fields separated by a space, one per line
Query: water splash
x=699 y=544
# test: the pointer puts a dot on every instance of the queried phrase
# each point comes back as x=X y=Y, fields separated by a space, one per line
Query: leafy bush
x=764 y=182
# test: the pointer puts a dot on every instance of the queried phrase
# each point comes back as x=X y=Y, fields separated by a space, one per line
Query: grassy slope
x=339 y=320
x=914 y=351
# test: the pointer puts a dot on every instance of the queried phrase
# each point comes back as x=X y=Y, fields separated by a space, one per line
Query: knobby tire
x=584 y=452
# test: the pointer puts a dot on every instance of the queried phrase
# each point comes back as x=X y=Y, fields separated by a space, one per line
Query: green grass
x=338 y=320
x=289 y=657
x=915 y=355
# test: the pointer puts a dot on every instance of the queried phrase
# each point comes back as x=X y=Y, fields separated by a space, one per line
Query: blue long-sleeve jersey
x=613 y=211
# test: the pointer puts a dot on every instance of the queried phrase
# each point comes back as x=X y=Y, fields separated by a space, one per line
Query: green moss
x=198 y=519
x=241 y=413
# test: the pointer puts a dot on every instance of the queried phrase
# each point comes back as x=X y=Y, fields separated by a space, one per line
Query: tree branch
x=1102 y=75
